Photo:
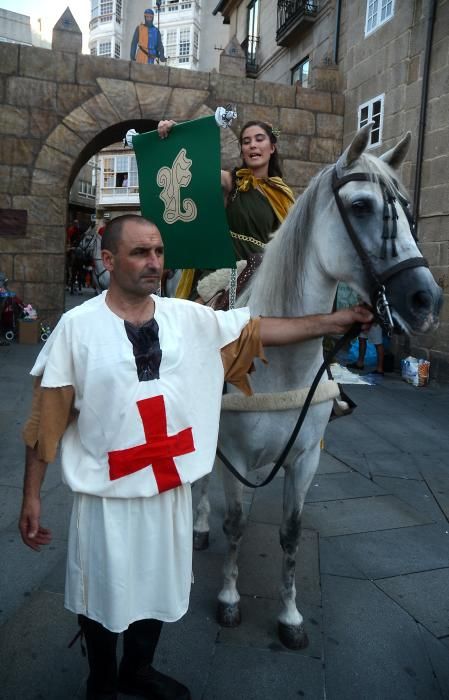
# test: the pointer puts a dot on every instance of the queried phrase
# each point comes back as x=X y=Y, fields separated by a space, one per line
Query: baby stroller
x=11 y=308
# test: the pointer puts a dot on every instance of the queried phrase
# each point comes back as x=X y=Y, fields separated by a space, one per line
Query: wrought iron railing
x=290 y=10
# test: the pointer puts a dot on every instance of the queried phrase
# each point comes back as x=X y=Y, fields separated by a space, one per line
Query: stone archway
x=58 y=108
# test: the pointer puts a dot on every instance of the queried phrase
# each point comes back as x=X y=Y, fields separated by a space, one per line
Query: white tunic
x=130 y=539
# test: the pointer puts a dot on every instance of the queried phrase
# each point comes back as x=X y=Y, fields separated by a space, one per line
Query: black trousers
x=139 y=644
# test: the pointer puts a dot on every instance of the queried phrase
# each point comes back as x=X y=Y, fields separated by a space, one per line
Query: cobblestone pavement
x=372 y=581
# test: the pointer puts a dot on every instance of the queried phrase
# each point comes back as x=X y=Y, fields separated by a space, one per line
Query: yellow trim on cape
x=185 y=284
x=279 y=195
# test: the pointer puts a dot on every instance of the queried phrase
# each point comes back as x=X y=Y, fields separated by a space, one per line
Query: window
x=120 y=171
x=85 y=189
x=300 y=73
x=378 y=12
x=172 y=40
x=93 y=50
x=373 y=111
x=117 y=50
x=118 y=11
x=184 y=46
x=195 y=44
x=104 y=48
x=253 y=32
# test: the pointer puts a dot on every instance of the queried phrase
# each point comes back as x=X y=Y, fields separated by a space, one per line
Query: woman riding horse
x=256 y=197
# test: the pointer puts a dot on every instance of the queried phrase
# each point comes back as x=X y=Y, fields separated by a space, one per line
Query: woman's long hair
x=274 y=167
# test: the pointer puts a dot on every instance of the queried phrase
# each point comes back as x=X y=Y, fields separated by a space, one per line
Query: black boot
x=136 y=674
x=101 y=646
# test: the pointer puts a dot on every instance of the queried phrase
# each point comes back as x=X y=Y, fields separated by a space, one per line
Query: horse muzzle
x=415 y=300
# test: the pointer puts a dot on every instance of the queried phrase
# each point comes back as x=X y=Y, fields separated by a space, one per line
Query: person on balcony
x=146 y=44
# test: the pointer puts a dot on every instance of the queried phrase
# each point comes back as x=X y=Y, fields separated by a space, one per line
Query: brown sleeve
x=238 y=356
x=51 y=412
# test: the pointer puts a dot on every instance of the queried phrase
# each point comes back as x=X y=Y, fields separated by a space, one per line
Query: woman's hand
x=164 y=127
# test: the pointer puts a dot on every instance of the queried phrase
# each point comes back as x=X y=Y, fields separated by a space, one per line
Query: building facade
x=191 y=34
x=392 y=57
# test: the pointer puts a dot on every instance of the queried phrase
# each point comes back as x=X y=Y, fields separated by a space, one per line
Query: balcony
x=293 y=18
x=120 y=196
x=250 y=45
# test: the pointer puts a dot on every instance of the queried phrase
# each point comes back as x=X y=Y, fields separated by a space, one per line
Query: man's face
x=148 y=18
x=137 y=266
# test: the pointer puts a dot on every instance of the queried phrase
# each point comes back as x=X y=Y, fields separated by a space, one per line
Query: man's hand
x=343 y=320
x=33 y=535
x=164 y=127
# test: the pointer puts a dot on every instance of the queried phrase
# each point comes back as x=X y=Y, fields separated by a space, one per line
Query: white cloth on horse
x=130 y=545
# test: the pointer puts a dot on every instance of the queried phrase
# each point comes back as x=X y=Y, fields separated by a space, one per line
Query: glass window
x=172 y=40
x=300 y=73
x=117 y=49
x=184 y=45
x=104 y=48
x=93 y=50
x=95 y=8
x=373 y=111
x=378 y=12
x=253 y=31
x=118 y=11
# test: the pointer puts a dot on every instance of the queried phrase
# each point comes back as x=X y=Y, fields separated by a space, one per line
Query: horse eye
x=361 y=206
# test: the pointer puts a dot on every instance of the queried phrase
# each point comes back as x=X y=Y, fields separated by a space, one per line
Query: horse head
x=373 y=206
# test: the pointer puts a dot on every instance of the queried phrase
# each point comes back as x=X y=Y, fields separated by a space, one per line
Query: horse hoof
x=293 y=636
x=200 y=540
x=228 y=615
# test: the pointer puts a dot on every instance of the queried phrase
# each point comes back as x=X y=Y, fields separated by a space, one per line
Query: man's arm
x=283 y=331
x=33 y=534
x=134 y=44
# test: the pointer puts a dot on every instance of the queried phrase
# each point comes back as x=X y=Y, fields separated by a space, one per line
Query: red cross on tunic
x=158 y=450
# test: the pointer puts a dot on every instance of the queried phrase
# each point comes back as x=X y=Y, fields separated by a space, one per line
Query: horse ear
x=355 y=148
x=395 y=156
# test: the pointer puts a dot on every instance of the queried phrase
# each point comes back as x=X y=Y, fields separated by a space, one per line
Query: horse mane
x=277 y=285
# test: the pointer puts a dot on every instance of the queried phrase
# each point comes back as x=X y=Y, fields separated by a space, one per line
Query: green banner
x=180 y=190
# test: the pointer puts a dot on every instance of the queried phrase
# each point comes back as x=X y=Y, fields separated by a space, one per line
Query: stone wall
x=58 y=108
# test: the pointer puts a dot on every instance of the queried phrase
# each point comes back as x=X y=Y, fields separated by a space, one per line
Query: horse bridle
x=378 y=298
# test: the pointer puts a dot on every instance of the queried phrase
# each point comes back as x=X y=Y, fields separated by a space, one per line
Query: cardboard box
x=29 y=331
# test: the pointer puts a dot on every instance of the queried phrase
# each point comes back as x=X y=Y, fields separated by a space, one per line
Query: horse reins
x=378 y=297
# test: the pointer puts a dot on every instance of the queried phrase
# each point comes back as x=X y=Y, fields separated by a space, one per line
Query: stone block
x=42 y=122
x=28 y=92
x=297 y=121
x=122 y=96
x=48 y=183
x=232 y=65
x=6 y=264
x=294 y=146
x=325 y=150
x=48 y=298
x=313 y=100
x=66 y=140
x=438 y=83
x=394 y=126
x=438 y=110
x=45 y=64
x=9 y=58
x=184 y=102
x=13 y=120
x=299 y=173
x=17 y=151
x=20 y=180
x=274 y=95
x=338 y=103
x=196 y=80
x=90 y=68
x=434 y=228
x=100 y=113
x=226 y=89
x=252 y=112
x=5 y=178
x=69 y=97
x=154 y=74
x=54 y=161
x=436 y=142
x=431 y=252
x=39 y=268
x=44 y=238
x=329 y=125
x=435 y=200
x=83 y=123
x=5 y=201
x=43 y=210
x=436 y=170
x=326 y=78
x=413 y=69
x=396 y=100
x=153 y=100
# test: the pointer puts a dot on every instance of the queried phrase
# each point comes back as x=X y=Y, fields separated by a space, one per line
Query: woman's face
x=256 y=149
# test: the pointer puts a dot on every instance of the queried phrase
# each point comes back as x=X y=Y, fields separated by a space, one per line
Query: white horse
x=302 y=264
x=90 y=248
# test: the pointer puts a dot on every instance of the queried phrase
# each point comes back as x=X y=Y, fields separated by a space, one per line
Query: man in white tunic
x=131 y=384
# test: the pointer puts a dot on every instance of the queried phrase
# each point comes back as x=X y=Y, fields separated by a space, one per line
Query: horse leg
x=201 y=525
x=296 y=484
x=228 y=610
